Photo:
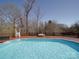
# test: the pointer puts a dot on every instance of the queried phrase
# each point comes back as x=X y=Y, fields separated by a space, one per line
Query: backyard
x=39 y=29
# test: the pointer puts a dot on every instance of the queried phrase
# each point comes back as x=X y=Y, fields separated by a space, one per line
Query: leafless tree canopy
x=10 y=15
x=28 y=5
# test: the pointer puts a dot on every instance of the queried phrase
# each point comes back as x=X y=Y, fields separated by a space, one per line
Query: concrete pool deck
x=56 y=37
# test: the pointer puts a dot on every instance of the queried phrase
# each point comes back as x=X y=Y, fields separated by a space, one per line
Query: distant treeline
x=12 y=19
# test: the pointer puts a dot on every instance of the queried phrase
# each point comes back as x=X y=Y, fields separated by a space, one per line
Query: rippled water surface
x=39 y=49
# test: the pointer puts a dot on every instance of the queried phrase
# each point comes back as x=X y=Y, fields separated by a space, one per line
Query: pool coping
x=52 y=37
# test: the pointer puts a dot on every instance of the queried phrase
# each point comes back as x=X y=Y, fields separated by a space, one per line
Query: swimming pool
x=39 y=48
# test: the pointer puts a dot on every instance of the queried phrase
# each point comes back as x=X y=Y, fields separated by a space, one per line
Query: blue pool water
x=38 y=48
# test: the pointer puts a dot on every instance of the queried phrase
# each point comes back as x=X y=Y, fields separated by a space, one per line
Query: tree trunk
x=26 y=25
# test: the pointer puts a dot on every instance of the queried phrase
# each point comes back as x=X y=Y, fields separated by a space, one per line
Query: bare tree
x=41 y=27
x=38 y=16
x=28 y=5
x=1 y=21
x=11 y=16
x=50 y=27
